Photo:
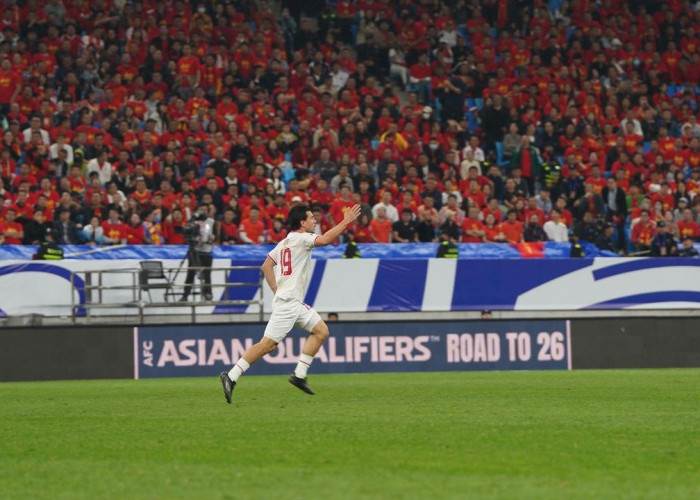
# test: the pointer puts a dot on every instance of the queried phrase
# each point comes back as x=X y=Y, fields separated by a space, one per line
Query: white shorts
x=286 y=314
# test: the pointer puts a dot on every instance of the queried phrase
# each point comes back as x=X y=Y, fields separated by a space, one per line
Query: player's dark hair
x=296 y=215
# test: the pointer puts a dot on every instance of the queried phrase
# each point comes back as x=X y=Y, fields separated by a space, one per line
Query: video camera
x=192 y=231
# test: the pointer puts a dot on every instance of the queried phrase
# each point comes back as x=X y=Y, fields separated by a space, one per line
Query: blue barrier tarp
x=258 y=252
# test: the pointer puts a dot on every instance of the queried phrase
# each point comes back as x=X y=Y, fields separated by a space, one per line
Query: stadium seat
x=462 y=30
x=437 y=105
x=499 y=155
x=288 y=174
x=472 y=120
x=554 y=5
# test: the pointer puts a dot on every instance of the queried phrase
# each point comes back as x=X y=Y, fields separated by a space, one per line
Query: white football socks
x=303 y=365
x=238 y=369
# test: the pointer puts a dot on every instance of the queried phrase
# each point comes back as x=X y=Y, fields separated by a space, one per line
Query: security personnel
x=551 y=173
x=49 y=249
x=448 y=250
x=352 y=251
x=576 y=248
x=688 y=250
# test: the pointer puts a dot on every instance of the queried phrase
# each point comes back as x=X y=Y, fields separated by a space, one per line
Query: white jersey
x=292 y=256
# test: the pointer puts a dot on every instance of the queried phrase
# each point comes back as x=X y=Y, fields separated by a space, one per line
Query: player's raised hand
x=351 y=214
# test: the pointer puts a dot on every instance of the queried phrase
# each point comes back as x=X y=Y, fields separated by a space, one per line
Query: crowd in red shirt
x=119 y=123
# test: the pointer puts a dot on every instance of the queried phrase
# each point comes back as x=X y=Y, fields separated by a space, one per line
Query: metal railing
x=131 y=291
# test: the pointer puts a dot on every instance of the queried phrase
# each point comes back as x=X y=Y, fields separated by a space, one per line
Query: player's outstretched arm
x=351 y=215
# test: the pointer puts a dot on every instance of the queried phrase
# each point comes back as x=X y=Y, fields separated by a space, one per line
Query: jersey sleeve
x=274 y=254
x=309 y=240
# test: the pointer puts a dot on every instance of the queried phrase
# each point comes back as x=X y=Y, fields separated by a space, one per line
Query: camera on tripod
x=199 y=236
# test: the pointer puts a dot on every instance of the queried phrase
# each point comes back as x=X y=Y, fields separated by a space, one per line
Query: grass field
x=582 y=434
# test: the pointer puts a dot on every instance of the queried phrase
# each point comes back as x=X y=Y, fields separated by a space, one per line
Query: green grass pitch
x=581 y=434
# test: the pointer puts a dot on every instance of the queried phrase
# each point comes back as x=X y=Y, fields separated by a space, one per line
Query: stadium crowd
x=454 y=120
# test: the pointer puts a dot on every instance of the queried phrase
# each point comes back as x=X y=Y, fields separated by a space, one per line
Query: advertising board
x=358 y=347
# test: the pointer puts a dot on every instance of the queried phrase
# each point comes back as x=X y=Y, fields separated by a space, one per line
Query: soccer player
x=293 y=256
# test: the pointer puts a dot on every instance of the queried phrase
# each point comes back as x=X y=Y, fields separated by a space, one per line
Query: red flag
x=532 y=250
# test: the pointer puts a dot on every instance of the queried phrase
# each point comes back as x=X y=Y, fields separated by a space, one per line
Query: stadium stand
x=445 y=116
